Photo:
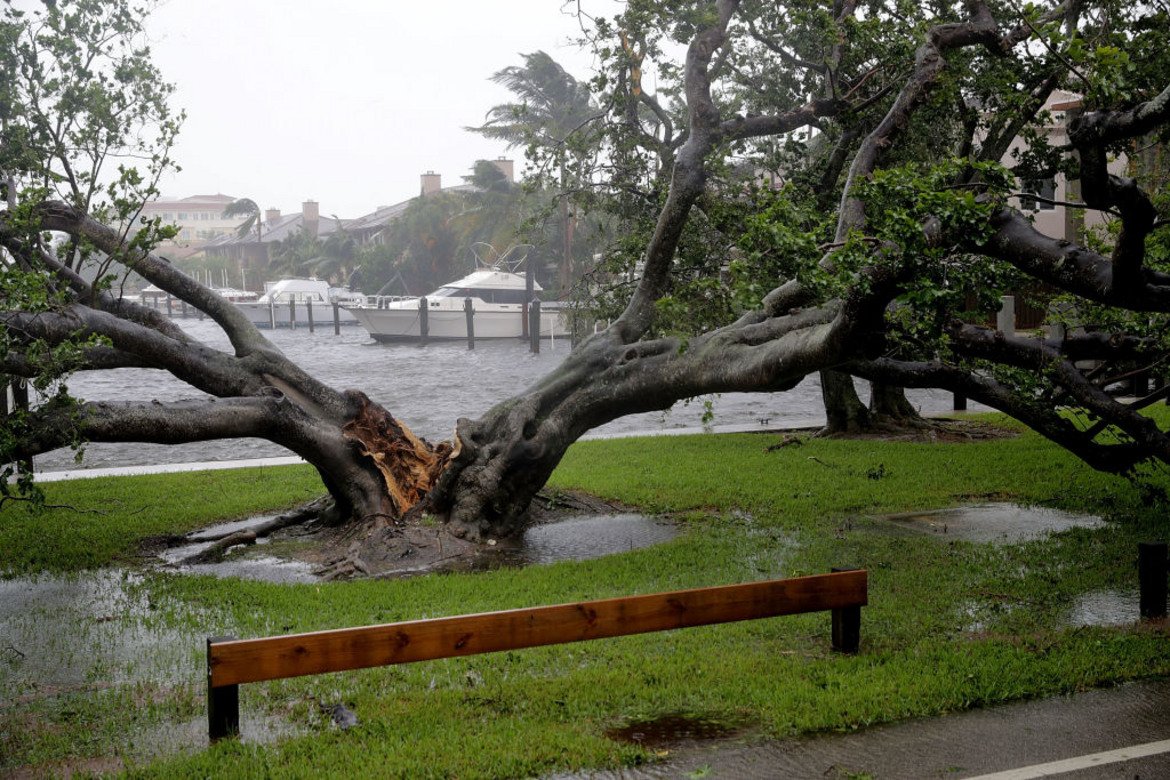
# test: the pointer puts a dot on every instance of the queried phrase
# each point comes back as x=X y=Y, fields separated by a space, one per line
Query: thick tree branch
x=85 y=292
x=206 y=369
x=757 y=126
x=1070 y=267
x=1043 y=418
x=1035 y=355
x=53 y=426
x=1091 y=135
x=92 y=359
x=687 y=180
x=244 y=336
x=929 y=62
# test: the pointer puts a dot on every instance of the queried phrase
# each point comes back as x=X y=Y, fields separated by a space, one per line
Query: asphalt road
x=1095 y=734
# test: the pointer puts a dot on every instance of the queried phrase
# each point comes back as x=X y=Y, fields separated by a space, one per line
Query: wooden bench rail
x=231 y=662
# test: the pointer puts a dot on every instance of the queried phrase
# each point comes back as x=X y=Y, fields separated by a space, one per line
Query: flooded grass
x=580 y=539
x=96 y=630
x=1106 y=608
x=106 y=666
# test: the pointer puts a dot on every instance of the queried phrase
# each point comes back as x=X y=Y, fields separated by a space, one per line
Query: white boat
x=235 y=295
x=497 y=300
x=287 y=302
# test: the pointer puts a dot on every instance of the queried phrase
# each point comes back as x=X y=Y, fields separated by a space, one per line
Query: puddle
x=219 y=529
x=1106 y=608
x=576 y=538
x=581 y=538
x=1095 y=608
x=246 y=562
x=997 y=523
x=85 y=635
x=671 y=730
x=95 y=629
x=165 y=739
x=264 y=568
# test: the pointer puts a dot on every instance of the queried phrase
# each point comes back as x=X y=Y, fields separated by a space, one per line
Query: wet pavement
x=1014 y=739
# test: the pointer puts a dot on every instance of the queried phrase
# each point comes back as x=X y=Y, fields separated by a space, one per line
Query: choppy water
x=428 y=387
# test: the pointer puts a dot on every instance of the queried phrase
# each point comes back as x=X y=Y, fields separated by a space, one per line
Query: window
x=182 y=216
x=1043 y=188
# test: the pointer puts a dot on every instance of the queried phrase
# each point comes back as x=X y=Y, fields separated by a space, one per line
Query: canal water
x=428 y=387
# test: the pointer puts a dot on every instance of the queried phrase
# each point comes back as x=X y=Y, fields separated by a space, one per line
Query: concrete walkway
x=1121 y=732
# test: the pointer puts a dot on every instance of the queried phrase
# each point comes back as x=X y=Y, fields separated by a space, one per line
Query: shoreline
x=292 y=460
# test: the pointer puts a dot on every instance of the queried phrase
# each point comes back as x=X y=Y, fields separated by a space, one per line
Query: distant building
x=370 y=228
x=199 y=219
x=1044 y=201
x=252 y=252
x=1046 y=208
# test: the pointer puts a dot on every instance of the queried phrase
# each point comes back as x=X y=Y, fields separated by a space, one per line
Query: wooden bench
x=232 y=662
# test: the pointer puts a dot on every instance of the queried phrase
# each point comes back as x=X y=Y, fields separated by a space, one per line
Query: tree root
x=390 y=552
x=786 y=441
x=316 y=510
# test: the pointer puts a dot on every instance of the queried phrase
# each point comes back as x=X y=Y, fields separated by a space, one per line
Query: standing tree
x=869 y=288
x=247 y=208
x=253 y=220
x=555 y=119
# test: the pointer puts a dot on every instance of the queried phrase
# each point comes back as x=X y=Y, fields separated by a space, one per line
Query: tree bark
x=889 y=407
x=844 y=411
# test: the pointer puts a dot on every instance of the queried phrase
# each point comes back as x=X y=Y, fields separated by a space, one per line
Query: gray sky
x=345 y=102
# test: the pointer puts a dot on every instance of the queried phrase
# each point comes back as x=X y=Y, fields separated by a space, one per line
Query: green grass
x=92 y=523
x=748 y=515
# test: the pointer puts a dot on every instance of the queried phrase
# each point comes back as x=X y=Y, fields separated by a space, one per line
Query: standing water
x=428 y=387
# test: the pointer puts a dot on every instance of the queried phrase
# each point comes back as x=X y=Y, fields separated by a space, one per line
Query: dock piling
x=469 y=312
x=534 y=326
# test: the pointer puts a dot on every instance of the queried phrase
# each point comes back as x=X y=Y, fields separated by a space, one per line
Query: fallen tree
x=877 y=300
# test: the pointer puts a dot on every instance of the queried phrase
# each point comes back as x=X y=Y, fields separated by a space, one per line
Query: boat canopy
x=489 y=286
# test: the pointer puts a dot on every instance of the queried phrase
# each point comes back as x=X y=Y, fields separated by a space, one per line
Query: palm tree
x=552 y=109
x=244 y=207
x=551 y=106
x=336 y=260
x=492 y=212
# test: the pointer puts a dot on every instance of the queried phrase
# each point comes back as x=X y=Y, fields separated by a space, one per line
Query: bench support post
x=846 y=625
x=1152 y=567
x=223 y=703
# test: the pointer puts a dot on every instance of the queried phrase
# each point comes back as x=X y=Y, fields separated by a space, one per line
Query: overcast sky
x=344 y=102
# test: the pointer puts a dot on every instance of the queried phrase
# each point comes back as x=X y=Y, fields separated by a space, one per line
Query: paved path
x=1121 y=732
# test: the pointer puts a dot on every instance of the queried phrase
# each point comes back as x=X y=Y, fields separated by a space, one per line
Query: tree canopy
x=815 y=186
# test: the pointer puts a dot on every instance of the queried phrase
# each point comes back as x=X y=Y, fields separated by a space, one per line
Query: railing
x=232 y=662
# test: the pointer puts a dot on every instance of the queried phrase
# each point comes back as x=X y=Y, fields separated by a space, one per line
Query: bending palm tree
x=551 y=107
x=246 y=207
